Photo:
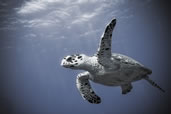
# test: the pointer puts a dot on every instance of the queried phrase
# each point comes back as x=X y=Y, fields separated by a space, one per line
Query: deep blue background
x=35 y=36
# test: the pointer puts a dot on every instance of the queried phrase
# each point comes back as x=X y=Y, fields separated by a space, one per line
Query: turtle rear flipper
x=126 y=88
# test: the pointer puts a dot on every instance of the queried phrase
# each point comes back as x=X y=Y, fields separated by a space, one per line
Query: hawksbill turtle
x=106 y=68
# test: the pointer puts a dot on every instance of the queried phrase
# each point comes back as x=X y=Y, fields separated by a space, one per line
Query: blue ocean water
x=36 y=35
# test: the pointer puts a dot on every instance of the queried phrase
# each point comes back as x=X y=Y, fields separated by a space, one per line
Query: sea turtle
x=106 y=68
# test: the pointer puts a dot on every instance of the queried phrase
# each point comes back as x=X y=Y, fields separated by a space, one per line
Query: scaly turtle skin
x=106 y=68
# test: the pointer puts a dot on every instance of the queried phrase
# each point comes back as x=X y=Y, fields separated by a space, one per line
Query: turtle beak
x=63 y=63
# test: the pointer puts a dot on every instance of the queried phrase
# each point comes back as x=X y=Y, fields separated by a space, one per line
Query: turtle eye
x=69 y=59
x=79 y=57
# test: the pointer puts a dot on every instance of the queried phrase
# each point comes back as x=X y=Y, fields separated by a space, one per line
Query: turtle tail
x=153 y=83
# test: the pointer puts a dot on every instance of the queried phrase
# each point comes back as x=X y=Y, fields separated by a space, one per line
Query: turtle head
x=73 y=61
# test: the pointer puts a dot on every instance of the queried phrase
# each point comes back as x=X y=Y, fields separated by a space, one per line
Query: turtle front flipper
x=85 y=89
x=104 y=50
x=126 y=88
